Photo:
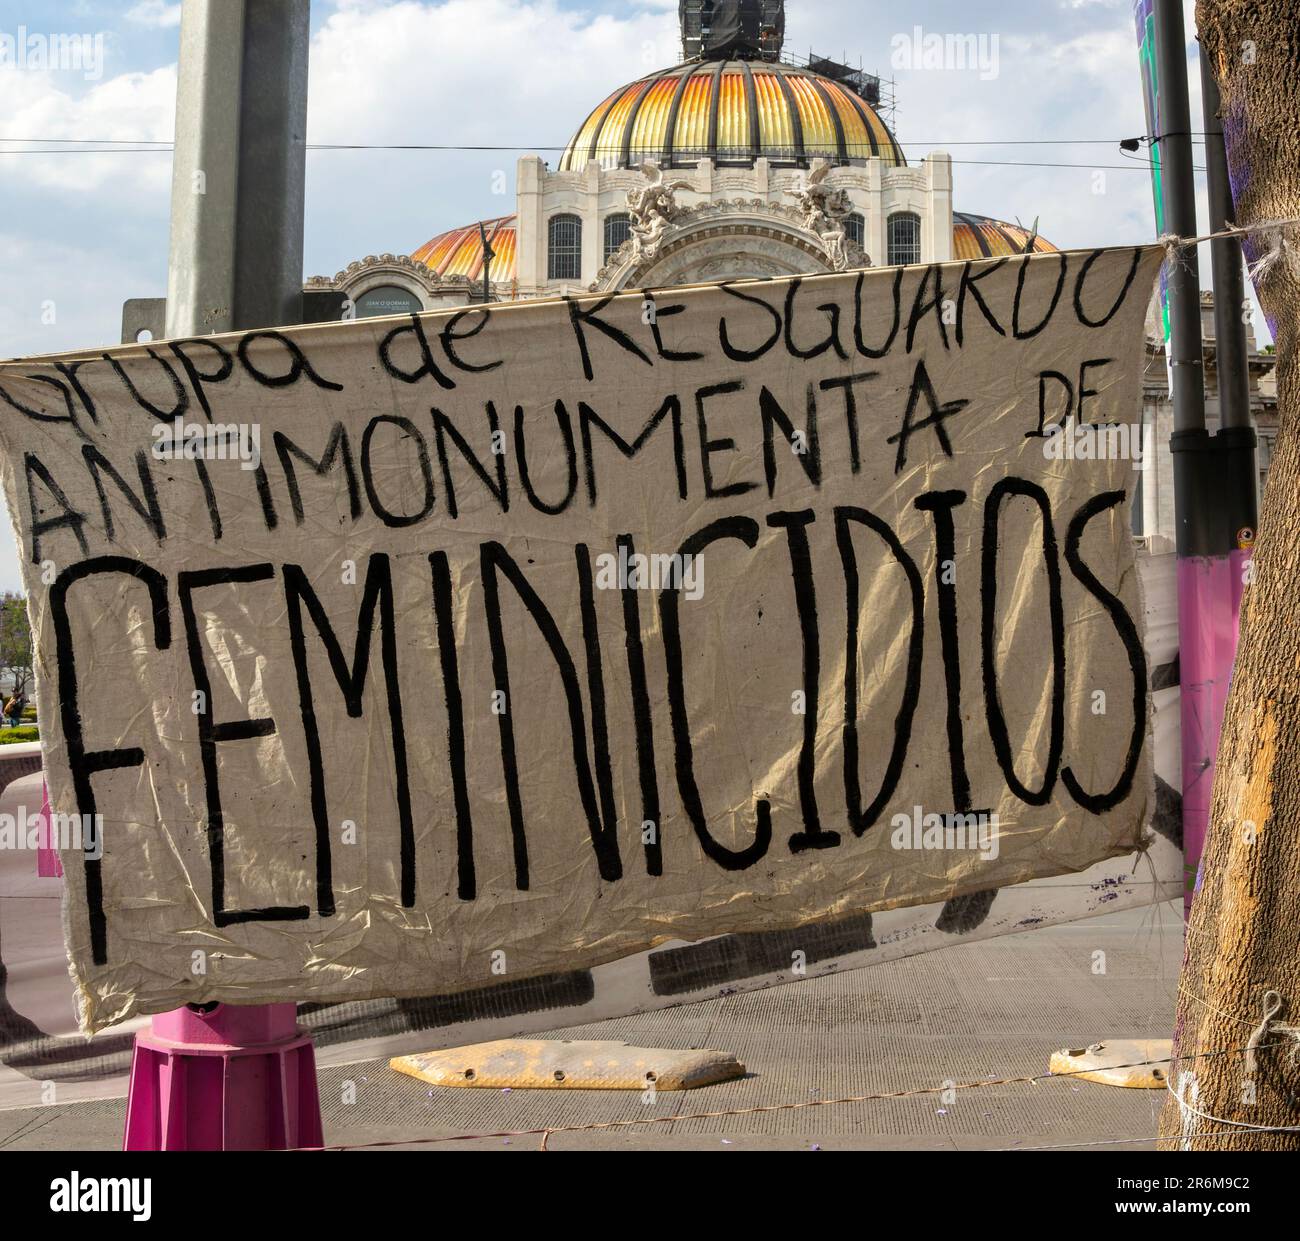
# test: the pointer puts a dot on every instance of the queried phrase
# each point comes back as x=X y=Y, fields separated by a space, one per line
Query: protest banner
x=394 y=657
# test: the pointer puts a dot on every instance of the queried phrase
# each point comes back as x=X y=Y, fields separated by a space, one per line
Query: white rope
x=1186 y=1109
x=1274 y=235
x=1260 y=270
x=1268 y=1026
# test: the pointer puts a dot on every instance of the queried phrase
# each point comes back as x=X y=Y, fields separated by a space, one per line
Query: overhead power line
x=128 y=146
x=166 y=144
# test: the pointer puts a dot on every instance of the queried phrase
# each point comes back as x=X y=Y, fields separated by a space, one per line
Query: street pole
x=223 y=1076
x=205 y=169
x=1236 y=437
x=239 y=168
x=1203 y=568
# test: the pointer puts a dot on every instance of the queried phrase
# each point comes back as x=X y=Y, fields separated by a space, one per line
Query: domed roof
x=732 y=112
x=459 y=251
x=980 y=237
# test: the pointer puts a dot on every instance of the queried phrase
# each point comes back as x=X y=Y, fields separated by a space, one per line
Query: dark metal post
x=1195 y=504
x=1180 y=215
x=1236 y=437
x=488 y=255
x=1206 y=633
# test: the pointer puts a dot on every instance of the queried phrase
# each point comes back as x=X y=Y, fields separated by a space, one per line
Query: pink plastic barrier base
x=1209 y=605
x=236 y=1078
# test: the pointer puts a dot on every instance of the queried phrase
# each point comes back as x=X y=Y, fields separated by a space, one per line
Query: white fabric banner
x=396 y=657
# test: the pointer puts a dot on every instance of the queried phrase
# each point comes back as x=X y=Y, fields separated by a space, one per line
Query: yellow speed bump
x=554 y=1064
x=1139 y=1063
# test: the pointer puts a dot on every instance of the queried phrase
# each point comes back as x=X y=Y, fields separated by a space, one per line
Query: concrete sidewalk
x=976 y=1012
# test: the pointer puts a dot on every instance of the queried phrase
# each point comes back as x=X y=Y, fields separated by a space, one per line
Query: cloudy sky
x=79 y=232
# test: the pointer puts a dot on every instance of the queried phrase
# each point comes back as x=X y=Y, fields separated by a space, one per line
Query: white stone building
x=738 y=163
x=717 y=167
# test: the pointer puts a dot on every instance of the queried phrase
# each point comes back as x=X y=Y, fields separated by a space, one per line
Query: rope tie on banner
x=1273 y=233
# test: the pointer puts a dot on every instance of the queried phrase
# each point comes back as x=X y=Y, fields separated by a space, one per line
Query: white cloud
x=470 y=72
x=154 y=13
x=127 y=107
x=1047 y=87
x=82 y=231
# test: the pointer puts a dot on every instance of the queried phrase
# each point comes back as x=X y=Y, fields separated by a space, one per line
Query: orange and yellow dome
x=979 y=237
x=732 y=112
x=459 y=252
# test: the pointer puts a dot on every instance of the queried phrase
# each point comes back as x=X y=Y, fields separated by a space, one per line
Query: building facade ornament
x=386 y=271
x=652 y=208
x=712 y=241
x=825 y=207
x=379 y=268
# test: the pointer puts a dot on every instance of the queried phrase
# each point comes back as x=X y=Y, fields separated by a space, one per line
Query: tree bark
x=1245 y=920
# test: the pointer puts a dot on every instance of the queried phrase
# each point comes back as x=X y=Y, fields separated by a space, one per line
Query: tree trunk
x=1245 y=921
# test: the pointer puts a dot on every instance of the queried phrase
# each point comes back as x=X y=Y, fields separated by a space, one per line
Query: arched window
x=564 y=248
x=904 y=239
x=855 y=229
x=618 y=228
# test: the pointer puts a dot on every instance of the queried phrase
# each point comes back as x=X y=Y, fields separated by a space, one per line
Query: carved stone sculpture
x=653 y=209
x=825 y=209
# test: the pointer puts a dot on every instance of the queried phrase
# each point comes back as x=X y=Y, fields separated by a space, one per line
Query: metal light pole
x=1202 y=563
x=1237 y=432
x=233 y=1077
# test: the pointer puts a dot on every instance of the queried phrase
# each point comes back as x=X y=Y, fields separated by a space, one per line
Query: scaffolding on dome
x=874 y=90
x=732 y=29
